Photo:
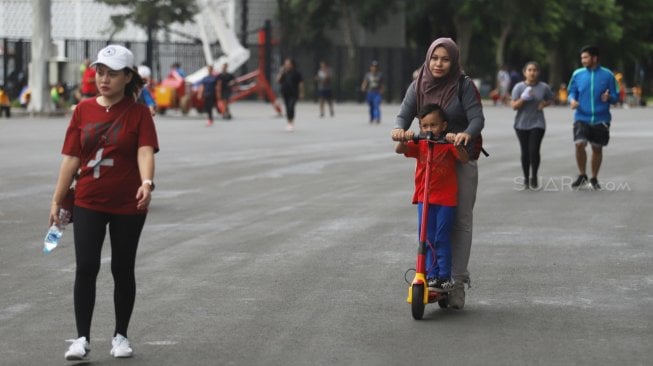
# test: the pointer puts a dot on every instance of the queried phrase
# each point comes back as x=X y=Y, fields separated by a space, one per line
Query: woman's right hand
x=68 y=168
x=398 y=134
x=54 y=214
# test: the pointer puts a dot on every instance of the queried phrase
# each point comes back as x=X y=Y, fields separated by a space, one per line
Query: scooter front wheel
x=417 y=302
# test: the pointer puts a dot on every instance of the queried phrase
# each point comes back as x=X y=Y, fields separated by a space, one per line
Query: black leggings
x=124 y=231
x=530 y=142
x=290 y=101
x=209 y=103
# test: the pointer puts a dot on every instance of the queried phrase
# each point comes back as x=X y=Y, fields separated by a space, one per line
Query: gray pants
x=461 y=236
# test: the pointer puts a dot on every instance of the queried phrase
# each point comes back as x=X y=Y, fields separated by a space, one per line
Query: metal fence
x=396 y=64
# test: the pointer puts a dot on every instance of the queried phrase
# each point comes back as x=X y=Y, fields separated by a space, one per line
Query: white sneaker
x=290 y=127
x=78 y=350
x=121 y=347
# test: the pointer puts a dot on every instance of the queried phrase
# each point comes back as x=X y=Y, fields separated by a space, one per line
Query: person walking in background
x=88 y=87
x=515 y=77
x=529 y=97
x=292 y=89
x=442 y=81
x=622 y=89
x=112 y=140
x=592 y=89
x=226 y=81
x=324 y=94
x=5 y=103
x=145 y=94
x=503 y=84
x=208 y=91
x=372 y=85
x=562 y=94
x=177 y=69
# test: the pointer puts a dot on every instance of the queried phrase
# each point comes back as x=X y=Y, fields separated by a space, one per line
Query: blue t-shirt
x=209 y=82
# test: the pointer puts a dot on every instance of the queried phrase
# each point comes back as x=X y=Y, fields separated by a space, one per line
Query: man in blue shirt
x=208 y=91
x=592 y=89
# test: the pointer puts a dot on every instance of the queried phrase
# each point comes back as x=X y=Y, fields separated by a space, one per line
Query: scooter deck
x=436 y=296
x=440 y=290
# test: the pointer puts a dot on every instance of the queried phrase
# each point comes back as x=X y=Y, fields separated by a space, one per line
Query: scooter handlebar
x=431 y=137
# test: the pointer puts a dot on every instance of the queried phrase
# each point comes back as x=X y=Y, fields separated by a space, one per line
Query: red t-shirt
x=112 y=185
x=88 y=86
x=443 y=188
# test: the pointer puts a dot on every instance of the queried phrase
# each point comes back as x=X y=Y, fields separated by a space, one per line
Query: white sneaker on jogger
x=121 y=347
x=78 y=350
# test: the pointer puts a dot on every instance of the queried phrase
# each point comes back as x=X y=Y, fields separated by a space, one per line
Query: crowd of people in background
x=64 y=96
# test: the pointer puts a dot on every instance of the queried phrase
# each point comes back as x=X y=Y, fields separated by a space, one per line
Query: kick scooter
x=418 y=292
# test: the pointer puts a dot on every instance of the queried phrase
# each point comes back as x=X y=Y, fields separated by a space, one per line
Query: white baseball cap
x=144 y=71
x=115 y=57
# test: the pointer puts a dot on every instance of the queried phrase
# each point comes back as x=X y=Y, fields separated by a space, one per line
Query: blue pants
x=374 y=101
x=438 y=237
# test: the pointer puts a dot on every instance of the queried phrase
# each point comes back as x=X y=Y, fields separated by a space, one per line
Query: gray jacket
x=467 y=117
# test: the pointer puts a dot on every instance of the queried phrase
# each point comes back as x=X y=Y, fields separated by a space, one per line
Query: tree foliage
x=304 y=22
x=550 y=32
x=152 y=14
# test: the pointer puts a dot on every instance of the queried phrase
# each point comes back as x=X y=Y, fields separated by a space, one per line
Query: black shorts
x=226 y=94
x=324 y=93
x=597 y=135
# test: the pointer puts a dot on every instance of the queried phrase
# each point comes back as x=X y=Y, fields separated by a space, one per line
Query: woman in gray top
x=442 y=81
x=529 y=97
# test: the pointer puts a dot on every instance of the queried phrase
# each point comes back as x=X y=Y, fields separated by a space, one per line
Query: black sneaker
x=432 y=283
x=595 y=184
x=440 y=285
x=533 y=182
x=582 y=179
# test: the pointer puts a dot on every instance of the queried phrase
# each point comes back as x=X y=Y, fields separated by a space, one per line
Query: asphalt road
x=265 y=247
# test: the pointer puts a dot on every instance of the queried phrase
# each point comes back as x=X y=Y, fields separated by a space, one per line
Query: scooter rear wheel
x=444 y=302
x=417 y=302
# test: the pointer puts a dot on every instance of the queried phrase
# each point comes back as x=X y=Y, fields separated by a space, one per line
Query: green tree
x=304 y=24
x=493 y=32
x=152 y=15
x=636 y=45
x=464 y=21
x=579 y=23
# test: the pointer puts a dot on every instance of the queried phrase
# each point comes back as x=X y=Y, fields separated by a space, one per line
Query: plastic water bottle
x=56 y=232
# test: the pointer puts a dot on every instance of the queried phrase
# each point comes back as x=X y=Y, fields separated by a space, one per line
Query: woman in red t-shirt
x=111 y=140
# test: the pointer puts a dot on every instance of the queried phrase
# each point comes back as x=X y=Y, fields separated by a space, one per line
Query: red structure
x=255 y=82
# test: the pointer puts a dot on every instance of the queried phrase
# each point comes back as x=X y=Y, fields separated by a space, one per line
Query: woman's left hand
x=144 y=196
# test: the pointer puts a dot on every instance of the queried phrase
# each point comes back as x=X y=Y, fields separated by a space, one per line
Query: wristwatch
x=150 y=183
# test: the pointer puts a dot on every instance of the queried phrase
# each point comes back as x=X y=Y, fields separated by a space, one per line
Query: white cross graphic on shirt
x=97 y=162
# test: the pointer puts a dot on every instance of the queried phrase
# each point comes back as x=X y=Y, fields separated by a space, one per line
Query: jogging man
x=592 y=89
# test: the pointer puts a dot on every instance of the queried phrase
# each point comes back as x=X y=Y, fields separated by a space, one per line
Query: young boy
x=443 y=191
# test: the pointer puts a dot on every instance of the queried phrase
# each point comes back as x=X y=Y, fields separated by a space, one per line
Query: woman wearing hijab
x=442 y=81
